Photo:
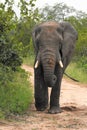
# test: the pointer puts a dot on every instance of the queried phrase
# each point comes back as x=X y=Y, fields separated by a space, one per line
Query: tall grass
x=77 y=72
x=29 y=60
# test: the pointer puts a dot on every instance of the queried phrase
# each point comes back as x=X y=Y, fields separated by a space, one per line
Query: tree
x=20 y=29
x=29 y=16
x=8 y=56
x=57 y=12
x=81 y=26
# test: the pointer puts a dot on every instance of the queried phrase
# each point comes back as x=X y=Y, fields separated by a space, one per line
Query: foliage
x=82 y=63
x=57 y=12
x=77 y=72
x=29 y=16
x=81 y=27
x=15 y=91
x=29 y=60
x=8 y=56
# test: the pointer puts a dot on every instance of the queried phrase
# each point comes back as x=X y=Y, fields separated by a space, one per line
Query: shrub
x=15 y=91
x=8 y=56
x=82 y=63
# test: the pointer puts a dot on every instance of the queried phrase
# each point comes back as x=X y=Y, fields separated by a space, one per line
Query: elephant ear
x=35 y=37
x=69 y=38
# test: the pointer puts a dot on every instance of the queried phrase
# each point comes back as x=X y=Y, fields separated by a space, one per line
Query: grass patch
x=29 y=60
x=15 y=93
x=77 y=72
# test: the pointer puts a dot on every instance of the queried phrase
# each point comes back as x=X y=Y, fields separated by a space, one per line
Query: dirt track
x=73 y=102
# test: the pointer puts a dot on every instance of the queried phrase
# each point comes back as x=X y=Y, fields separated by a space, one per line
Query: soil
x=73 y=102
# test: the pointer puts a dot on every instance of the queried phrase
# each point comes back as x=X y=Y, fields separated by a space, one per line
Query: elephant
x=54 y=44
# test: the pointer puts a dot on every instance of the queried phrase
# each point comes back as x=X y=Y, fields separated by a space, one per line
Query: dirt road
x=73 y=117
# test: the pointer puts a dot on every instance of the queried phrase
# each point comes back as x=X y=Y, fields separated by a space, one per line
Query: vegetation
x=15 y=92
x=77 y=72
x=16 y=46
x=15 y=89
x=29 y=60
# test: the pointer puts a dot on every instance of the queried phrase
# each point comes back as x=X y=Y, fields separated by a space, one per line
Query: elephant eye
x=60 y=52
x=37 y=43
x=37 y=31
x=60 y=45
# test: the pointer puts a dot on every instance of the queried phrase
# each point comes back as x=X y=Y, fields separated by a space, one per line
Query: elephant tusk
x=61 y=64
x=36 y=64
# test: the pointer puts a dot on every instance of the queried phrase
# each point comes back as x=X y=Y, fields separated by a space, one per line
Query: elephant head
x=53 y=42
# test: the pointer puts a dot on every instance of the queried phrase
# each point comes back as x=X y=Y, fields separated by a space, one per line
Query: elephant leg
x=55 y=93
x=41 y=91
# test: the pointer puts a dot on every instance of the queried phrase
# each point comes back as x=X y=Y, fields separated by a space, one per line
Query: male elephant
x=54 y=44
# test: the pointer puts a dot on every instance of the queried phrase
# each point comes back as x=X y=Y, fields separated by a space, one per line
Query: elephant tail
x=71 y=77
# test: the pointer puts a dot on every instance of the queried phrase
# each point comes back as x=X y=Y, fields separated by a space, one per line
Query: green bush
x=15 y=91
x=82 y=63
x=8 y=56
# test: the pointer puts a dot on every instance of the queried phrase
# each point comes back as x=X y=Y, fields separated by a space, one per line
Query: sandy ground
x=73 y=102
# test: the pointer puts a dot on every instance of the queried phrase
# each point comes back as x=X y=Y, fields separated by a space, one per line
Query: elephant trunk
x=48 y=61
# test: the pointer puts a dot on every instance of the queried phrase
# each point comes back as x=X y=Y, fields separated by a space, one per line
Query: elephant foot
x=54 y=110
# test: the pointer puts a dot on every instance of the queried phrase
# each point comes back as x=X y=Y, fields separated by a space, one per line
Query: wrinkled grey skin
x=53 y=41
